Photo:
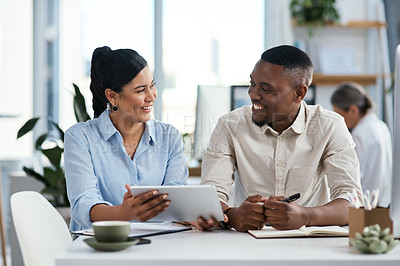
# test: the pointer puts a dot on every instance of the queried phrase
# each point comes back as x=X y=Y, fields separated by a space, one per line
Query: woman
x=371 y=136
x=121 y=146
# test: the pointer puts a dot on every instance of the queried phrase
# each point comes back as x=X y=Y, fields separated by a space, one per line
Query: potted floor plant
x=51 y=146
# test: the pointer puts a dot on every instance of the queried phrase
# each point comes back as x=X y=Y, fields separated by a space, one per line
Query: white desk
x=225 y=247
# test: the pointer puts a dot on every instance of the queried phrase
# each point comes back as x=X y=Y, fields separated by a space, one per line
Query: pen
x=292 y=198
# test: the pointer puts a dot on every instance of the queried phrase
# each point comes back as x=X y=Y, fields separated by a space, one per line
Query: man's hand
x=283 y=215
x=203 y=224
x=249 y=215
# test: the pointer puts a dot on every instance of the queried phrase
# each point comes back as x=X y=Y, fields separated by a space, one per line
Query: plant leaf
x=60 y=131
x=54 y=193
x=35 y=175
x=58 y=189
x=81 y=114
x=39 y=141
x=51 y=175
x=28 y=126
x=54 y=155
x=51 y=191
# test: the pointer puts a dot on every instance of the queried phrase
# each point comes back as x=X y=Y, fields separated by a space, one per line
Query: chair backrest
x=41 y=231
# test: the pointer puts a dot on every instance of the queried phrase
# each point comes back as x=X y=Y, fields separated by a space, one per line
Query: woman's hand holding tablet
x=188 y=203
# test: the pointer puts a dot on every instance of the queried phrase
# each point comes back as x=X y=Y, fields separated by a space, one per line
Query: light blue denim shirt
x=97 y=166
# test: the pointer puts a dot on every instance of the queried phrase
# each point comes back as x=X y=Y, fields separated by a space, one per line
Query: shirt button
x=278 y=164
x=134 y=164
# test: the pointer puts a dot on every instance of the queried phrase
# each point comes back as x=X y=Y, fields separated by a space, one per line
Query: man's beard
x=258 y=123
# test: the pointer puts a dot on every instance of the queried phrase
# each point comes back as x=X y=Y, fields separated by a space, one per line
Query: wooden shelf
x=361 y=24
x=365 y=24
x=363 y=79
x=321 y=79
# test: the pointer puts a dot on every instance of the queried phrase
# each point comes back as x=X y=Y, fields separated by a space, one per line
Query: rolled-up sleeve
x=82 y=184
x=341 y=164
x=219 y=163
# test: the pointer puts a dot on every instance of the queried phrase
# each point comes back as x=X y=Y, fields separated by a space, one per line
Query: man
x=280 y=146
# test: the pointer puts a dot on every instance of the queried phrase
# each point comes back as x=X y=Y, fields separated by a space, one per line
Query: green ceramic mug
x=111 y=231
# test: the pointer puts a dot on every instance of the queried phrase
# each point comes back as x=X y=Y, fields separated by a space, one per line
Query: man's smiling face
x=273 y=98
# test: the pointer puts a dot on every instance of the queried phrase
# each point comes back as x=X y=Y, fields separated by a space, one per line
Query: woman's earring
x=115 y=108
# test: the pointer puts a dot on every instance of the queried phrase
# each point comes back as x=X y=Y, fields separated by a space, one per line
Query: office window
x=204 y=43
x=88 y=24
x=16 y=76
x=207 y=43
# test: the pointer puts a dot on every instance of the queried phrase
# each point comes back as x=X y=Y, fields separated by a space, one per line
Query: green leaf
x=60 y=131
x=28 y=126
x=54 y=155
x=54 y=193
x=51 y=175
x=65 y=198
x=61 y=179
x=39 y=141
x=81 y=114
x=35 y=175
x=51 y=191
x=57 y=189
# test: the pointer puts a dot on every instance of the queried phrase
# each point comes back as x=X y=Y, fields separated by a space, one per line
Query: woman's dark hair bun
x=99 y=53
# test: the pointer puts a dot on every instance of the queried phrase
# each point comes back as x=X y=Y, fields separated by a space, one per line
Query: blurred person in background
x=371 y=136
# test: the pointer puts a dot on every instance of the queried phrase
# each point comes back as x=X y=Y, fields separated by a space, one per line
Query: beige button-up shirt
x=314 y=156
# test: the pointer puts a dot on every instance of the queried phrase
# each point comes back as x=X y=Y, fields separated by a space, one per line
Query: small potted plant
x=314 y=13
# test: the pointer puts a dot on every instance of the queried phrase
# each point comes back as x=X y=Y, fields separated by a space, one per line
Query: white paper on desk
x=139 y=228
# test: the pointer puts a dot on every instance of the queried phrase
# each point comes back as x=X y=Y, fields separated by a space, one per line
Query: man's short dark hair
x=288 y=56
x=292 y=59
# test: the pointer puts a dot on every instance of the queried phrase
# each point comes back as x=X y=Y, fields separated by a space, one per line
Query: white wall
x=366 y=53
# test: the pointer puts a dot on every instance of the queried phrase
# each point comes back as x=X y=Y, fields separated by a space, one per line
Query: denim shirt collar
x=107 y=129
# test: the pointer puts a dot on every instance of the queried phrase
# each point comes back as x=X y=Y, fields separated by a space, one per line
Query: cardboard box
x=360 y=218
x=195 y=171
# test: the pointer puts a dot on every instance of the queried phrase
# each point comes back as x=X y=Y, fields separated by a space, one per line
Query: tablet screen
x=187 y=202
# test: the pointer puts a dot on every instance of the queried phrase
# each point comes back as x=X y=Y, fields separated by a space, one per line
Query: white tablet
x=187 y=202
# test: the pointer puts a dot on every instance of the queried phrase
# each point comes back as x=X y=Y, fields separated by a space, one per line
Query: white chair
x=41 y=231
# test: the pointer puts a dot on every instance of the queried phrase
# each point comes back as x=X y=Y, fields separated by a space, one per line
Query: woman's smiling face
x=137 y=97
